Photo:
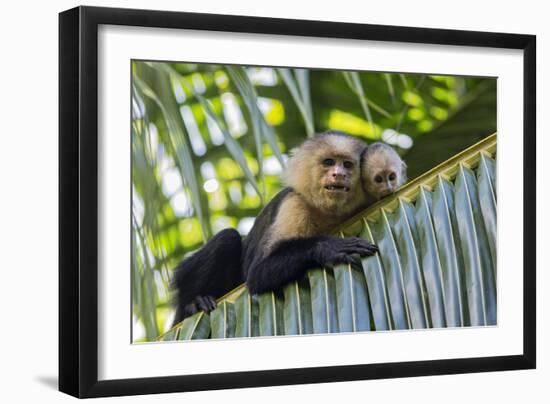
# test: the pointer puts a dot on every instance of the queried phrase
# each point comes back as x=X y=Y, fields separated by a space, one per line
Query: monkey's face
x=382 y=172
x=337 y=176
x=382 y=183
x=325 y=170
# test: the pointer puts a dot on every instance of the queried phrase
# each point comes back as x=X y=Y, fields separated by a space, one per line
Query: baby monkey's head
x=382 y=170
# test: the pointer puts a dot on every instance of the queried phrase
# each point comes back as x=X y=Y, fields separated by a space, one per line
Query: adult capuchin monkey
x=324 y=189
x=292 y=232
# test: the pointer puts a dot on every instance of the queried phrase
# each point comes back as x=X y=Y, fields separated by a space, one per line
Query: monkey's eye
x=392 y=176
x=348 y=165
x=328 y=162
x=378 y=179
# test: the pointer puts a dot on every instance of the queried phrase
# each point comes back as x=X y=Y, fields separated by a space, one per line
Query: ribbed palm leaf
x=436 y=266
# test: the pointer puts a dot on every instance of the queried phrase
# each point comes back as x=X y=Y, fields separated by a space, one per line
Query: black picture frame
x=78 y=200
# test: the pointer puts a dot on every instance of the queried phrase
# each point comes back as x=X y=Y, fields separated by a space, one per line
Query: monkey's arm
x=208 y=274
x=290 y=258
x=297 y=240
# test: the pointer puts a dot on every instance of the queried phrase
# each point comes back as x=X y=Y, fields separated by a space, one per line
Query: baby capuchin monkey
x=291 y=234
x=382 y=172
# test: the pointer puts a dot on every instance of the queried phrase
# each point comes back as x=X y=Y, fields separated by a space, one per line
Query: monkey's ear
x=403 y=172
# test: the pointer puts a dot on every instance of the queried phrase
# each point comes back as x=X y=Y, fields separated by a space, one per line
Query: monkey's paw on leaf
x=346 y=251
x=204 y=303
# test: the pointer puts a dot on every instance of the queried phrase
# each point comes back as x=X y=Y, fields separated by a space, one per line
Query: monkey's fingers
x=340 y=258
x=351 y=242
x=356 y=260
x=367 y=252
x=369 y=246
x=211 y=302
x=205 y=303
x=372 y=249
x=201 y=304
x=365 y=248
x=190 y=309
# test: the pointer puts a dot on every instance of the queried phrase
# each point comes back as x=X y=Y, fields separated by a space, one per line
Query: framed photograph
x=251 y=201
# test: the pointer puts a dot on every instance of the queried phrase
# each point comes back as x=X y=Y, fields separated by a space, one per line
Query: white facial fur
x=382 y=170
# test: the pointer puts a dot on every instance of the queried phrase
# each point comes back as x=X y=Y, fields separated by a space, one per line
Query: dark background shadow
x=48 y=381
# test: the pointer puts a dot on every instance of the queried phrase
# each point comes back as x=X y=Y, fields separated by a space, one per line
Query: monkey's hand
x=204 y=303
x=341 y=250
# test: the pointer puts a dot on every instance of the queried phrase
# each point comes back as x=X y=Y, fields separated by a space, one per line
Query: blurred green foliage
x=209 y=143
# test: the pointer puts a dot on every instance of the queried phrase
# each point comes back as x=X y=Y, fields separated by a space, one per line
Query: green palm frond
x=436 y=266
x=297 y=82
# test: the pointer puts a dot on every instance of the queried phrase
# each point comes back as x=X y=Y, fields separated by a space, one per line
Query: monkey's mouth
x=336 y=188
x=385 y=193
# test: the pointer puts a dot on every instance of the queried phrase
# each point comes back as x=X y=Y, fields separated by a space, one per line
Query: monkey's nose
x=338 y=174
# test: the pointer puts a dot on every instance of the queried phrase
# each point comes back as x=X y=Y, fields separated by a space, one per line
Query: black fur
x=291 y=258
x=226 y=261
x=208 y=274
x=221 y=264
x=253 y=244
